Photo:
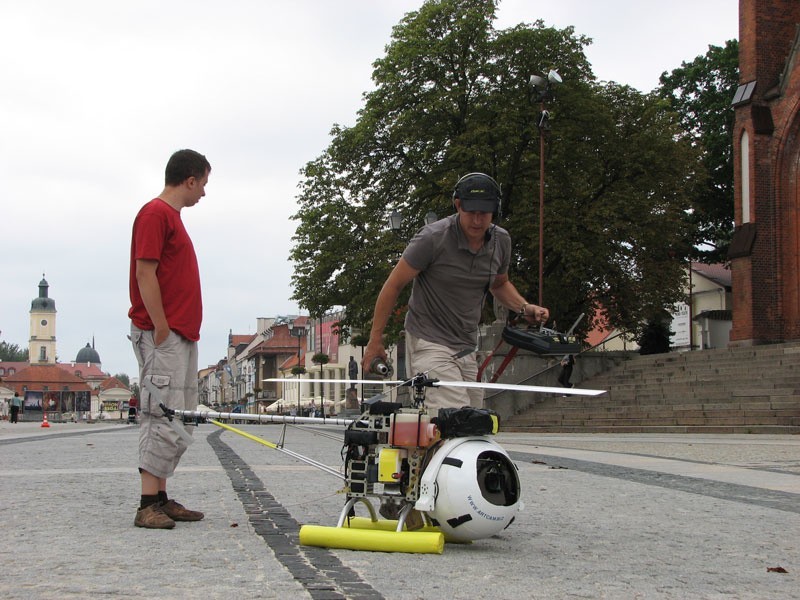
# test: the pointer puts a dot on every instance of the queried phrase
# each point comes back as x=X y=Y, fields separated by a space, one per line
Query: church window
x=744 y=152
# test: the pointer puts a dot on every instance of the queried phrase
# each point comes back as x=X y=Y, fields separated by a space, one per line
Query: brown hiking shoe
x=178 y=512
x=152 y=517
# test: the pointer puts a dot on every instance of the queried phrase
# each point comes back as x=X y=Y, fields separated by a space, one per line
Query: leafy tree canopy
x=700 y=92
x=452 y=96
x=12 y=353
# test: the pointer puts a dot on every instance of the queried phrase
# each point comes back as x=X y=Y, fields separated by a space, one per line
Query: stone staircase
x=732 y=390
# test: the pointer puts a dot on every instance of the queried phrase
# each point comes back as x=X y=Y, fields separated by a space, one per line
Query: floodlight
x=538 y=82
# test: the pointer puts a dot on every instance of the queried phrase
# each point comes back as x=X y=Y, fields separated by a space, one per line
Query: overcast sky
x=96 y=94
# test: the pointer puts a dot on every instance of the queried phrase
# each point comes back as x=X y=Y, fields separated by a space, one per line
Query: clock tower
x=42 y=345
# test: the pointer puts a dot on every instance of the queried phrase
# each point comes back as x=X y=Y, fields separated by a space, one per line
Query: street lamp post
x=322 y=364
x=321 y=376
x=542 y=88
x=395 y=224
x=298 y=332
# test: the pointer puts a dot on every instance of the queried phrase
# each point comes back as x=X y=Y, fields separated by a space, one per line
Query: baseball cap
x=478 y=192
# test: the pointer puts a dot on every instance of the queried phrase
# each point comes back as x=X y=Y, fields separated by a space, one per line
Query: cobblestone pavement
x=606 y=516
x=770 y=452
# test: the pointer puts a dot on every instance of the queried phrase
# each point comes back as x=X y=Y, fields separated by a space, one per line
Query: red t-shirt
x=159 y=234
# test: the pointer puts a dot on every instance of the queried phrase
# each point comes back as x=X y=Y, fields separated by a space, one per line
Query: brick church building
x=765 y=250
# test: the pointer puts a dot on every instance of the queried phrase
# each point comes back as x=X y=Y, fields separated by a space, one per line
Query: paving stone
x=606 y=516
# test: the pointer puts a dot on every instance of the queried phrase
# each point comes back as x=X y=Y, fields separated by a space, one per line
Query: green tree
x=655 y=337
x=617 y=205
x=452 y=96
x=700 y=92
x=12 y=353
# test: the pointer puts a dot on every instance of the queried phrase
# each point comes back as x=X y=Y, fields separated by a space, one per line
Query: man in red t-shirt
x=166 y=313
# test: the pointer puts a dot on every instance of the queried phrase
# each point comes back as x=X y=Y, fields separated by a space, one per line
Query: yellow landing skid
x=389 y=525
x=383 y=525
x=377 y=538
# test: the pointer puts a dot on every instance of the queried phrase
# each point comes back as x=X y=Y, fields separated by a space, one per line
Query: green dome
x=43 y=303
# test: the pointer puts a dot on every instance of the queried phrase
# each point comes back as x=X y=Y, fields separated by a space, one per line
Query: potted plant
x=359 y=340
x=320 y=358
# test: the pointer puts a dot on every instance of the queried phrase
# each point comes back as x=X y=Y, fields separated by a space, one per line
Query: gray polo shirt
x=447 y=295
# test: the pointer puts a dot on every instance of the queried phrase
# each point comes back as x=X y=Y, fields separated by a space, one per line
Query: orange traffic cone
x=44 y=420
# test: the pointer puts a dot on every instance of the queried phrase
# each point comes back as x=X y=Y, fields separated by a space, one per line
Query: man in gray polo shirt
x=454 y=263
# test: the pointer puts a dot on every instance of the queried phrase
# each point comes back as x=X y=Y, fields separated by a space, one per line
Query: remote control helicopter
x=437 y=478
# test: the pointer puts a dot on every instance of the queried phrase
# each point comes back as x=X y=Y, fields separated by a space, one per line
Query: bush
x=655 y=338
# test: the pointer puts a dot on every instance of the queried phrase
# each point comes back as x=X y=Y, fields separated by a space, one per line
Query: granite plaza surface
x=605 y=516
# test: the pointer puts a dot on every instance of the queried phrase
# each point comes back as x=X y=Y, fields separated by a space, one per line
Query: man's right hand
x=372 y=351
x=160 y=335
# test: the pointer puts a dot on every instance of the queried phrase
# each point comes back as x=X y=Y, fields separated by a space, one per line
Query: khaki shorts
x=423 y=356
x=172 y=368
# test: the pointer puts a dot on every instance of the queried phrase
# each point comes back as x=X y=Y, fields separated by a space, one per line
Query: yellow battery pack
x=390 y=462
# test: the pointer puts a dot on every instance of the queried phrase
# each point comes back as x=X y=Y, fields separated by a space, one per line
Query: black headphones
x=480 y=184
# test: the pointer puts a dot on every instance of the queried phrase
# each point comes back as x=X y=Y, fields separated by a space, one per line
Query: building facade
x=765 y=249
x=77 y=390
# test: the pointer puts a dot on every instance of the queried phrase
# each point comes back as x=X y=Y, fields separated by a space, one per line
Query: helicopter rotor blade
x=365 y=381
x=464 y=384
x=520 y=388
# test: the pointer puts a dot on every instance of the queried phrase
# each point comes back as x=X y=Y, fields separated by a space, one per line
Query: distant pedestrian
x=16 y=407
x=566 y=370
x=4 y=409
x=166 y=313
